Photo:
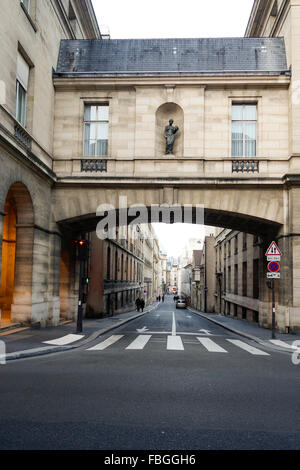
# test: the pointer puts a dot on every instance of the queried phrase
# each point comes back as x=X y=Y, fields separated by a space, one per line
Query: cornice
x=257 y=15
x=232 y=79
x=88 y=19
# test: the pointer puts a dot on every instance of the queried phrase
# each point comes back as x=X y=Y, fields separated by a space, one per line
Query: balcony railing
x=22 y=136
x=94 y=165
x=245 y=166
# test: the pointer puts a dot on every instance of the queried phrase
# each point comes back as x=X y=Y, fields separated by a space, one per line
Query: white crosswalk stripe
x=104 y=344
x=211 y=346
x=248 y=348
x=175 y=343
x=283 y=344
x=64 y=340
x=139 y=342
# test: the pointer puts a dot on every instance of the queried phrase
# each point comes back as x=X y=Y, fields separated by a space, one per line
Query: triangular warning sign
x=273 y=250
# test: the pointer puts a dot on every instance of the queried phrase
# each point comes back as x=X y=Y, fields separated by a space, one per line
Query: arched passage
x=17 y=255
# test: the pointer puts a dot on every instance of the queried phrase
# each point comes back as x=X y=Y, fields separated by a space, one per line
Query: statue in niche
x=170 y=132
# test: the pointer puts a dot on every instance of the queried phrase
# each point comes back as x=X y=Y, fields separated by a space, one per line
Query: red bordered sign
x=273 y=250
x=273 y=266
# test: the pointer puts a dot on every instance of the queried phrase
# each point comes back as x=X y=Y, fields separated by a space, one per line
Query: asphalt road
x=169 y=380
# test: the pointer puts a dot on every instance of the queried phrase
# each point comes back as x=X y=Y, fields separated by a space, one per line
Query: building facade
x=238 y=256
x=31 y=31
x=204 y=277
x=121 y=270
x=94 y=131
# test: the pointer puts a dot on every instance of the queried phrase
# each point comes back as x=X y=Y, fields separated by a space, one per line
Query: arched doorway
x=8 y=261
x=17 y=255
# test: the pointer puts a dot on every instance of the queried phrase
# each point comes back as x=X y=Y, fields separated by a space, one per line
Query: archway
x=8 y=261
x=17 y=255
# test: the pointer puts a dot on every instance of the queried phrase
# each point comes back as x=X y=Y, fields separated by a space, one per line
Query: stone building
x=237 y=258
x=31 y=31
x=185 y=266
x=119 y=271
x=204 y=277
x=95 y=132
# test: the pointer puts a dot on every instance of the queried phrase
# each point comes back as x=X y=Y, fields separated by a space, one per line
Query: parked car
x=180 y=303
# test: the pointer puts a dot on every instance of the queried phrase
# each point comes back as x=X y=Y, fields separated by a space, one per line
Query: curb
x=240 y=333
x=27 y=353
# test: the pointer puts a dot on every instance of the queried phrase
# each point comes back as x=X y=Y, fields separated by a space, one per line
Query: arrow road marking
x=206 y=332
x=142 y=330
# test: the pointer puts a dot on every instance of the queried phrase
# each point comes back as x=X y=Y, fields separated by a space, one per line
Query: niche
x=164 y=113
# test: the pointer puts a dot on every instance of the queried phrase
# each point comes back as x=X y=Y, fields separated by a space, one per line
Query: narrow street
x=167 y=380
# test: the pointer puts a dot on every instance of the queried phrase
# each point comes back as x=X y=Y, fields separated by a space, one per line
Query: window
x=26 y=4
x=21 y=89
x=96 y=130
x=244 y=130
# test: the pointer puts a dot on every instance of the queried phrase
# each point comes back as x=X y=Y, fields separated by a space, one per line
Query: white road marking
x=211 y=346
x=104 y=344
x=64 y=340
x=278 y=342
x=174 y=325
x=206 y=332
x=142 y=330
x=139 y=342
x=175 y=343
x=247 y=347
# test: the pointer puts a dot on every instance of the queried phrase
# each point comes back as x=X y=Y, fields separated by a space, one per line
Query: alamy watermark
x=137 y=214
x=2 y=353
x=296 y=353
x=2 y=92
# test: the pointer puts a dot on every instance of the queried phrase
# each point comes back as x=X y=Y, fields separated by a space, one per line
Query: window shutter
x=22 y=71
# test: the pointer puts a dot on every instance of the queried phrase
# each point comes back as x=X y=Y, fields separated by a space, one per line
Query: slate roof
x=171 y=56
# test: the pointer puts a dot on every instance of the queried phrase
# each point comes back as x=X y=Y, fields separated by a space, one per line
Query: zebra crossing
x=177 y=343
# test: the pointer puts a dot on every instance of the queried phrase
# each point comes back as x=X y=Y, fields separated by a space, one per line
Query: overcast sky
x=133 y=19
x=173 y=19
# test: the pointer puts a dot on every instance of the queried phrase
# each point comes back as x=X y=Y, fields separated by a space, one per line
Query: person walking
x=142 y=304
x=138 y=304
x=163 y=298
x=159 y=298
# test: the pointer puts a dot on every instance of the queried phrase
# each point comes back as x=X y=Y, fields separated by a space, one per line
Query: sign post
x=273 y=255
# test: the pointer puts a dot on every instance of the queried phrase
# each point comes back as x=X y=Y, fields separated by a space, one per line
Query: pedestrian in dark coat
x=138 y=304
x=142 y=304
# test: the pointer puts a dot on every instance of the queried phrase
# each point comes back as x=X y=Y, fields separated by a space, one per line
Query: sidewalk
x=250 y=330
x=29 y=342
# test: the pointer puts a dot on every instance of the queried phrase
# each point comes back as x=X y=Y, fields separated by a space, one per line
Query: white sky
x=129 y=19
x=136 y=19
x=173 y=237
